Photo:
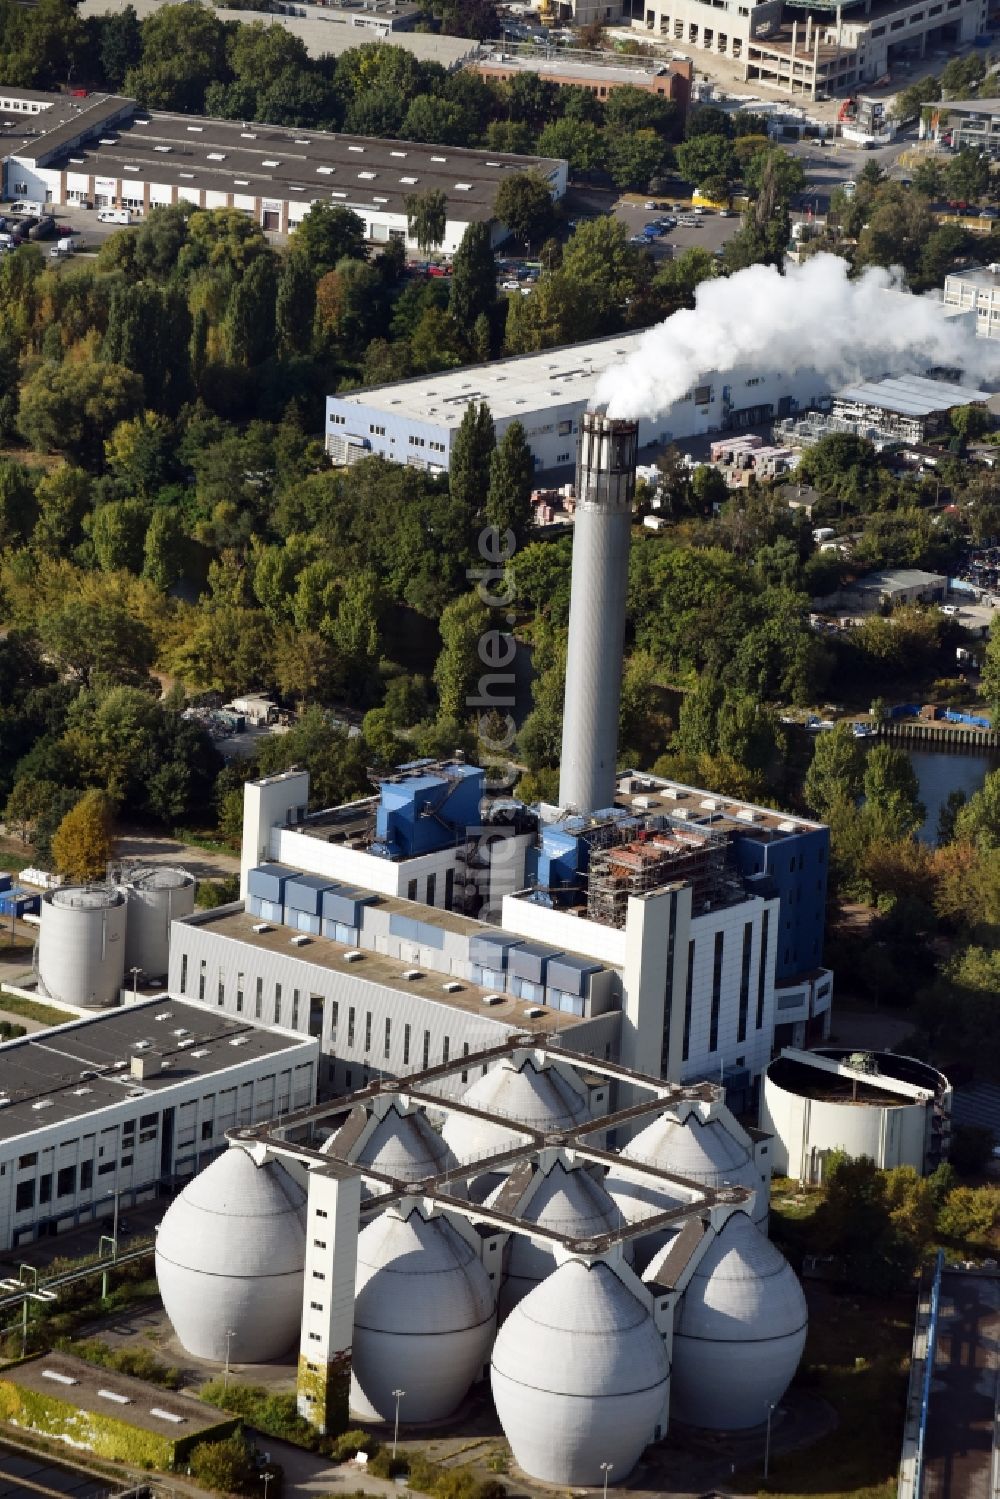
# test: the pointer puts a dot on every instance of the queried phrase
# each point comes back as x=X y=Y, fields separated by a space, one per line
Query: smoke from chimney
x=605 y=488
x=813 y=317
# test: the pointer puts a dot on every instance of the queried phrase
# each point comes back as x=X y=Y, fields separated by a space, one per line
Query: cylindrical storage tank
x=580 y=1377
x=634 y=1201
x=230 y=1255
x=812 y=1110
x=540 y=1097
x=154 y=898
x=704 y=1151
x=424 y=1318
x=569 y=1202
x=739 y=1333
x=81 y=945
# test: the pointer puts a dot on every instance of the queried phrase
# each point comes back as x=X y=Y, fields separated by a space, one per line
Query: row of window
x=718 y=957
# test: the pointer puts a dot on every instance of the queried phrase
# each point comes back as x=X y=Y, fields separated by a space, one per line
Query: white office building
x=126 y=1103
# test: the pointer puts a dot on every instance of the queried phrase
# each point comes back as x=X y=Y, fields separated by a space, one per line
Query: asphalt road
x=829 y=167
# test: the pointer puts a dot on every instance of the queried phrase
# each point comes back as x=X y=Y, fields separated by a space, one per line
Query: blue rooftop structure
x=427 y=806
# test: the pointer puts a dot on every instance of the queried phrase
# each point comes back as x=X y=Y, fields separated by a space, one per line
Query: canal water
x=940 y=772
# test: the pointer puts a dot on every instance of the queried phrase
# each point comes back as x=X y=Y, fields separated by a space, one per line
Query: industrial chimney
x=605 y=487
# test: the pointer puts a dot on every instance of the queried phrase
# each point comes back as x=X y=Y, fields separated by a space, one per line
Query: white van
x=114 y=216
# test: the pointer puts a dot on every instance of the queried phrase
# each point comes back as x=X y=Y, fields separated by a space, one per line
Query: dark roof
x=80 y=1385
x=81 y=1068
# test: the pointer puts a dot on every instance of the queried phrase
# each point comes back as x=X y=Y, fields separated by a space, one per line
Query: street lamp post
x=606 y=1469
x=395 y=1431
x=771 y=1408
x=266 y=1479
x=230 y=1335
x=135 y=972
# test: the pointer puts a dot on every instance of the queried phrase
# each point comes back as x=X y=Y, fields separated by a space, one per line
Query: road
x=829 y=167
x=959 y=1453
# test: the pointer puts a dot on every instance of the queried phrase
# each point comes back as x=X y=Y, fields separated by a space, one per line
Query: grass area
x=32 y=1009
x=204 y=841
x=856 y=1359
x=14 y=863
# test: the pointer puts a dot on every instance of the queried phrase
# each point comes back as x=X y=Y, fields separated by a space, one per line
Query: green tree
x=63 y=496
x=183 y=50
x=512 y=469
x=329 y=234
x=250 y=318
x=84 y=841
x=891 y=790
x=603 y=268
x=119 y=44
x=18 y=504
x=471 y=457
x=706 y=156
x=464 y=623
x=118 y=532
x=634 y=157
x=580 y=142
x=295 y=305
x=785 y=172
x=978 y=820
x=836 y=770
x=427 y=218
x=335 y=761
x=967 y=175
x=88 y=636
x=164 y=548
x=909 y=101
x=523 y=204
x=72 y=408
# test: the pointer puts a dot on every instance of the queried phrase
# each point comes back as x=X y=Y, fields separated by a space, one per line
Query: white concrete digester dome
x=704 y=1150
x=580 y=1376
x=401 y=1145
x=81 y=945
x=230 y=1254
x=424 y=1317
x=567 y=1200
x=541 y=1097
x=739 y=1332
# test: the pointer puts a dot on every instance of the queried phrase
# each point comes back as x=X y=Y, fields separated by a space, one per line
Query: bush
x=266 y=1411
x=969 y=1214
x=430 y=1478
x=228 y=1467
x=350 y=1443
x=140 y=1363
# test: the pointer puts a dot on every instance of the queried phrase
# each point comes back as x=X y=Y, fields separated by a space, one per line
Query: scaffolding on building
x=658 y=856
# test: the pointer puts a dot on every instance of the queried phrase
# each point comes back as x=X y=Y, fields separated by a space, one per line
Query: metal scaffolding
x=658 y=856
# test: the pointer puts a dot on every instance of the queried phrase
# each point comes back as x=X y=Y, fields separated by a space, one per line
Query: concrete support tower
x=605 y=488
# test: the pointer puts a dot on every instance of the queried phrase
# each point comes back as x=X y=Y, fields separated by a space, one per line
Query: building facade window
x=765 y=932
x=688 y=998
x=741 y=1030
x=713 y=1024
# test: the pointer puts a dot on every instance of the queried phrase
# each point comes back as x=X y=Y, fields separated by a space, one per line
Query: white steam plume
x=812 y=318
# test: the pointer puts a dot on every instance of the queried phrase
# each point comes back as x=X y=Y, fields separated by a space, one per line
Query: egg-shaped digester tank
x=424 y=1318
x=703 y=1151
x=739 y=1333
x=154 y=898
x=230 y=1256
x=567 y=1201
x=542 y=1098
x=580 y=1377
x=81 y=945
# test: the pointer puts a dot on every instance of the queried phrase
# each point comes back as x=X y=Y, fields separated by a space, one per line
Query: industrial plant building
x=893 y=1109
x=600 y=73
x=123 y=1105
x=387 y=1234
x=656 y=924
x=109 y=152
x=415 y=421
x=908 y=408
x=814 y=49
x=977 y=290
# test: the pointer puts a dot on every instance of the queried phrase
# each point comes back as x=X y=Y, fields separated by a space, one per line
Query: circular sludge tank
x=580 y=1377
x=570 y=1202
x=739 y=1332
x=81 y=945
x=540 y=1097
x=812 y=1110
x=424 y=1318
x=154 y=898
x=230 y=1254
x=703 y=1151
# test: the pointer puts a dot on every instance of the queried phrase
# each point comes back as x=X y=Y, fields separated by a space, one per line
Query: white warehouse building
x=110 y=153
x=415 y=421
x=126 y=1102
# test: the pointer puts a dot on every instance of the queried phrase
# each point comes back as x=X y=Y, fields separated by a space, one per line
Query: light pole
x=265 y=1480
x=771 y=1408
x=606 y=1469
x=230 y=1335
x=395 y=1431
x=135 y=972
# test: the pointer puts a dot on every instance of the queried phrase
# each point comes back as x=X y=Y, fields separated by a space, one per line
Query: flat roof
x=511 y=387
x=322 y=36
x=641 y=791
x=900 y=577
x=253 y=159
x=911 y=395
x=617 y=72
x=376 y=968
x=80 y=1068
x=976 y=275
x=80 y=1384
x=973 y=106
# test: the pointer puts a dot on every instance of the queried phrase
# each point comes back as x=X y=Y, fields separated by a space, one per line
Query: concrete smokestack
x=605 y=488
